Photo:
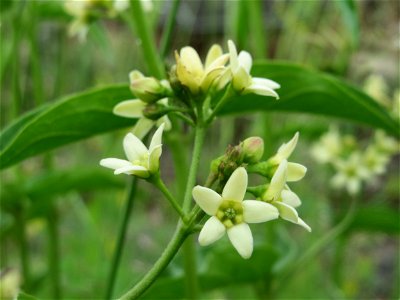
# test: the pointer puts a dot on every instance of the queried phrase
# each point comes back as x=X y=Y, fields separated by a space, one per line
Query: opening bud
x=252 y=149
x=148 y=89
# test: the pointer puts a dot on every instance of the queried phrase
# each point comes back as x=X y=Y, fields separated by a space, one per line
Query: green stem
x=256 y=24
x=168 y=254
x=320 y=245
x=23 y=246
x=198 y=143
x=190 y=267
x=153 y=60
x=161 y=186
x=170 y=24
x=121 y=240
x=227 y=95
x=54 y=257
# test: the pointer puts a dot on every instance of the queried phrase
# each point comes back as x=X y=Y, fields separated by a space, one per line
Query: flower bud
x=155 y=111
x=252 y=149
x=148 y=89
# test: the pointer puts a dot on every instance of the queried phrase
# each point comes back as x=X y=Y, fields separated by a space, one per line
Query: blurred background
x=62 y=206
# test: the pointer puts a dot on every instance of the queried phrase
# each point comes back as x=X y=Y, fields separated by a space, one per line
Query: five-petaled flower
x=142 y=162
x=279 y=195
x=231 y=214
x=242 y=81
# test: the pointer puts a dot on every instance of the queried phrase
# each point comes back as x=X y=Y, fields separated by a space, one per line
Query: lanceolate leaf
x=83 y=115
x=308 y=91
x=71 y=119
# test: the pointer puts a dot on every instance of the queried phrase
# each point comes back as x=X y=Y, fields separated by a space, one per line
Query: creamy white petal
x=261 y=90
x=235 y=188
x=129 y=169
x=157 y=137
x=245 y=60
x=133 y=147
x=278 y=182
x=233 y=57
x=257 y=211
x=287 y=212
x=166 y=121
x=304 y=225
x=286 y=149
x=219 y=62
x=266 y=82
x=130 y=108
x=154 y=159
x=242 y=239
x=114 y=163
x=142 y=127
x=353 y=185
x=212 y=231
x=290 y=198
x=214 y=52
x=207 y=199
x=295 y=172
x=191 y=60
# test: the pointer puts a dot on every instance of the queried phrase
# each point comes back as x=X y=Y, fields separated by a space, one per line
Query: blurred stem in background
x=117 y=255
x=54 y=251
x=169 y=28
x=20 y=218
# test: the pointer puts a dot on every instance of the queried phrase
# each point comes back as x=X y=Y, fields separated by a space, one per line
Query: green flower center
x=230 y=213
x=142 y=161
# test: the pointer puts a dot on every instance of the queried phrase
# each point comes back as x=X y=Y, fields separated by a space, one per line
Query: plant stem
x=198 y=143
x=190 y=267
x=168 y=254
x=161 y=186
x=170 y=24
x=54 y=257
x=121 y=239
x=23 y=246
x=153 y=60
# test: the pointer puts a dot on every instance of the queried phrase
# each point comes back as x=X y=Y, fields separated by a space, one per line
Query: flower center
x=230 y=213
x=142 y=161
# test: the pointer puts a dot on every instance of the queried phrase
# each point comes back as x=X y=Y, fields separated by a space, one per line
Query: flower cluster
x=192 y=84
x=229 y=212
x=357 y=161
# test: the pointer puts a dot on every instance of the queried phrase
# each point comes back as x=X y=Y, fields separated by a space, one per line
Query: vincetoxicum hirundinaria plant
x=195 y=92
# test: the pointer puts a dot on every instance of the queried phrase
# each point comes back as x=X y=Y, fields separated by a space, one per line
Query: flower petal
x=154 y=159
x=277 y=184
x=214 y=52
x=164 y=119
x=233 y=57
x=130 y=108
x=242 y=239
x=266 y=82
x=142 y=127
x=207 y=199
x=191 y=60
x=304 y=225
x=235 y=188
x=114 y=163
x=257 y=211
x=212 y=231
x=290 y=198
x=245 y=60
x=134 y=148
x=261 y=90
x=286 y=149
x=157 y=137
x=286 y=212
x=131 y=170
x=295 y=172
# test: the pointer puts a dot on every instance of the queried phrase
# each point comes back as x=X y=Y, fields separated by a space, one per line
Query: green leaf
x=378 y=218
x=349 y=12
x=83 y=115
x=71 y=119
x=309 y=91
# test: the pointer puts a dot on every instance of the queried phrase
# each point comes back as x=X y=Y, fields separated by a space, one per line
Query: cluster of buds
x=358 y=161
x=225 y=205
x=354 y=162
x=192 y=86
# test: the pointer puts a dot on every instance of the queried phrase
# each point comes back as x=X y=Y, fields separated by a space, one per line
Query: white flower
x=134 y=109
x=229 y=213
x=350 y=173
x=193 y=74
x=375 y=161
x=142 y=162
x=10 y=282
x=328 y=147
x=280 y=196
x=242 y=81
x=295 y=171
